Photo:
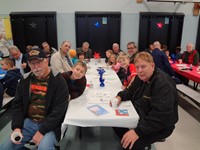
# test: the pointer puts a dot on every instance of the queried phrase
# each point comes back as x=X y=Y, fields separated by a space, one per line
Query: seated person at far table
x=127 y=70
x=190 y=56
x=160 y=59
x=28 y=48
x=162 y=62
x=116 y=49
x=132 y=51
x=149 y=49
x=49 y=51
x=168 y=55
x=20 y=59
x=155 y=98
x=72 y=54
x=61 y=61
x=86 y=50
x=108 y=54
x=80 y=57
x=76 y=79
x=178 y=53
x=9 y=82
x=39 y=106
x=115 y=65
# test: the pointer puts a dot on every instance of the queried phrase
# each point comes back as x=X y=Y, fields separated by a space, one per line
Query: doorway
x=100 y=29
x=33 y=28
x=163 y=27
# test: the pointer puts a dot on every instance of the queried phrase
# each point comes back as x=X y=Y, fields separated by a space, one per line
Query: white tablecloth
x=79 y=115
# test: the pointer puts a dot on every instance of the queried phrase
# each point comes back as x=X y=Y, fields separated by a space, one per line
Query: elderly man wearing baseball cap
x=39 y=105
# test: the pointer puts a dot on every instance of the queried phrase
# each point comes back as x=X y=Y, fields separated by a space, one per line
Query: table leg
x=195 y=85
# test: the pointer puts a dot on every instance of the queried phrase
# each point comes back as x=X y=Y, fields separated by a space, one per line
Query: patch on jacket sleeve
x=146 y=97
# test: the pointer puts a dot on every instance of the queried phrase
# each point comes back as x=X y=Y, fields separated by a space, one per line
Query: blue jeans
x=28 y=131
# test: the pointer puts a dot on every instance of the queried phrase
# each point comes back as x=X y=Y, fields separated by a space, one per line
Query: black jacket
x=162 y=62
x=76 y=87
x=56 y=104
x=155 y=101
x=10 y=81
x=24 y=60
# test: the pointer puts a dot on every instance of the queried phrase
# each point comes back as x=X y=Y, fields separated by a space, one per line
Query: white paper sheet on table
x=89 y=119
x=100 y=97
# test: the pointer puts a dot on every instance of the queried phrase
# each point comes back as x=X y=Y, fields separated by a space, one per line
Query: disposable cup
x=16 y=137
x=114 y=102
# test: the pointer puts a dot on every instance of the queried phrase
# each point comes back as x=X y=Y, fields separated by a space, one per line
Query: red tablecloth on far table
x=193 y=75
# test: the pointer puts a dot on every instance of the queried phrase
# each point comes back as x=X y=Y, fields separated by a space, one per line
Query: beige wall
x=129 y=8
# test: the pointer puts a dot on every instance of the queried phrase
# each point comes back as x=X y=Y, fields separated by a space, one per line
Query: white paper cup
x=114 y=102
x=16 y=137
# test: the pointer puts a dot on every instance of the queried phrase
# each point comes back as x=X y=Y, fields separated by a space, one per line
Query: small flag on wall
x=5 y=27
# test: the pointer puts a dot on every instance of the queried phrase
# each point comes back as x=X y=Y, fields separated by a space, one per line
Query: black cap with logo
x=36 y=53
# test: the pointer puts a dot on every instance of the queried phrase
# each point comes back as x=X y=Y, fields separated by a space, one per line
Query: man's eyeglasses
x=15 y=54
x=131 y=48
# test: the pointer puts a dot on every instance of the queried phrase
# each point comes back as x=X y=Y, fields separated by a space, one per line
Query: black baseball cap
x=36 y=53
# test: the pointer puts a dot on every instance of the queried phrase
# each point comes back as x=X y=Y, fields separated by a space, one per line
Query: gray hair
x=157 y=44
x=65 y=42
x=86 y=44
x=13 y=47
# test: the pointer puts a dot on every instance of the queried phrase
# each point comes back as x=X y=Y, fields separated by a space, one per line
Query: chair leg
x=64 y=133
x=80 y=132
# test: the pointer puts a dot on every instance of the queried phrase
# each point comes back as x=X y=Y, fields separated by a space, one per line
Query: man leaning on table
x=155 y=98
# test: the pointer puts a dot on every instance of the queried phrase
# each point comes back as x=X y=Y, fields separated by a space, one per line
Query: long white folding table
x=78 y=113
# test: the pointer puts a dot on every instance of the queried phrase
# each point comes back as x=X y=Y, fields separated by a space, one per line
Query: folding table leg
x=195 y=86
x=80 y=132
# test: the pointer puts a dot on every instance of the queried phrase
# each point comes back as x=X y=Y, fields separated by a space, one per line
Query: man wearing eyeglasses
x=20 y=59
x=39 y=105
x=132 y=51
